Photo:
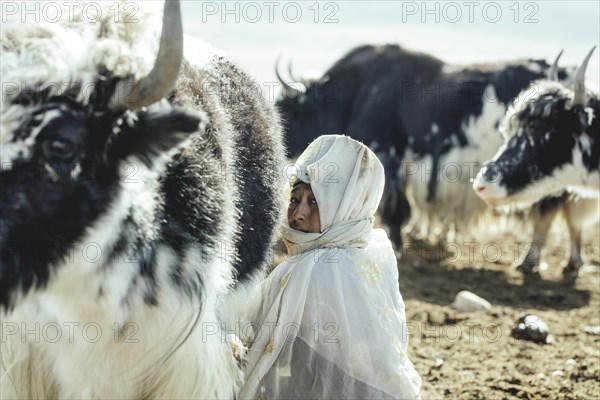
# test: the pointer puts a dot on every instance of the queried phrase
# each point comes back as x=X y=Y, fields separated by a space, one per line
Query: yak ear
x=150 y=134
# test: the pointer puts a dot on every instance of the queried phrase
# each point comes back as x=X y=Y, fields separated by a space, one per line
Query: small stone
x=541 y=375
x=592 y=330
x=466 y=301
x=558 y=372
x=571 y=364
x=532 y=328
x=438 y=363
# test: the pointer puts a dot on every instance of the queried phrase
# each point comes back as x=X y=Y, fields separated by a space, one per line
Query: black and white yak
x=432 y=124
x=552 y=134
x=138 y=185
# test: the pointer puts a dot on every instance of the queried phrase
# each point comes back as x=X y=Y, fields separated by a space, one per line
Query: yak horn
x=135 y=94
x=290 y=90
x=301 y=81
x=579 y=89
x=291 y=72
x=553 y=71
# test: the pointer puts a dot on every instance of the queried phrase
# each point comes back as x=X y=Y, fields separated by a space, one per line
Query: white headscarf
x=330 y=322
x=347 y=180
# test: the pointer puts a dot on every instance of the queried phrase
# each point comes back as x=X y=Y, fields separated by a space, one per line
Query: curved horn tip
x=277 y=74
x=290 y=91
x=581 y=70
x=291 y=71
x=161 y=79
x=579 y=89
x=553 y=71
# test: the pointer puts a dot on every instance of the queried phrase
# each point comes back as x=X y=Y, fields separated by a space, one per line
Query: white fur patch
x=199 y=53
x=577 y=177
x=586 y=143
x=590 y=114
x=455 y=201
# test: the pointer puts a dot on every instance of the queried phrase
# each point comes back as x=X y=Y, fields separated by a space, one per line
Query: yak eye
x=58 y=148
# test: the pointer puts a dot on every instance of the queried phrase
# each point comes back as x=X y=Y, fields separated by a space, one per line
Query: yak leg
x=573 y=218
x=394 y=207
x=450 y=232
x=542 y=220
x=395 y=213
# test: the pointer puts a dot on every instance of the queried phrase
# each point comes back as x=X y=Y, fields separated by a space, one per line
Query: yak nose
x=478 y=187
x=488 y=191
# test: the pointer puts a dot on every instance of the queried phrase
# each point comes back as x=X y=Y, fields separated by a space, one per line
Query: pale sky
x=314 y=34
x=465 y=31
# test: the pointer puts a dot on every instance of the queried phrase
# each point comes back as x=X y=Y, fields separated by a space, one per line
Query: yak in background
x=552 y=143
x=432 y=124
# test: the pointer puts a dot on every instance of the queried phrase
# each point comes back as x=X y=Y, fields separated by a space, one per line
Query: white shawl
x=329 y=322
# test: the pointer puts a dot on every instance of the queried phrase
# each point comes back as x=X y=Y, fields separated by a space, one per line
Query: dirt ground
x=472 y=355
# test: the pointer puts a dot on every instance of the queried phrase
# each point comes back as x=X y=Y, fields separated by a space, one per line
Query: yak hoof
x=527 y=267
x=571 y=270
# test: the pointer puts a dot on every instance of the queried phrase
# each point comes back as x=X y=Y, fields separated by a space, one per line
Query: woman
x=330 y=322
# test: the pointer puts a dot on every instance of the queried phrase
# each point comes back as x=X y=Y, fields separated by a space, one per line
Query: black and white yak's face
x=551 y=144
x=73 y=148
x=64 y=164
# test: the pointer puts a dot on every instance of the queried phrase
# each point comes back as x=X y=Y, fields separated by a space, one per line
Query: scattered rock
x=592 y=330
x=571 y=364
x=558 y=372
x=531 y=327
x=466 y=301
x=438 y=363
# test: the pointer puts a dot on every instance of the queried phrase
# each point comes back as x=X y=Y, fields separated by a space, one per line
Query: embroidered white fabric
x=330 y=321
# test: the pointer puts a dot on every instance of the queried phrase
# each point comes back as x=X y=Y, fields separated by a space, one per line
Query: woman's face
x=303 y=212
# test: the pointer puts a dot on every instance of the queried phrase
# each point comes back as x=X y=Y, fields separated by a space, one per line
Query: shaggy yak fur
x=125 y=233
